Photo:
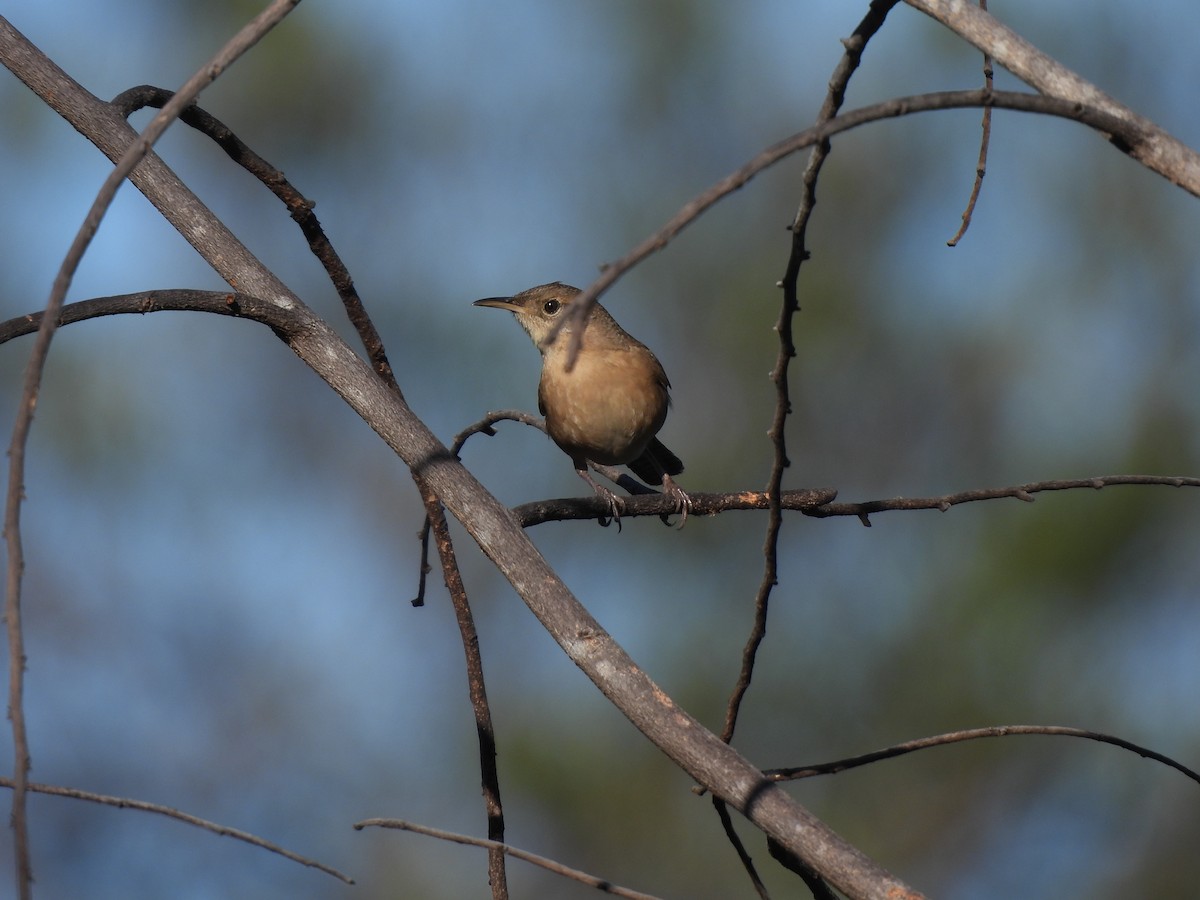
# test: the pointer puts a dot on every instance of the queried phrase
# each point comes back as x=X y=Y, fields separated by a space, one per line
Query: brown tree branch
x=655 y=504
x=971 y=734
x=683 y=739
x=549 y=865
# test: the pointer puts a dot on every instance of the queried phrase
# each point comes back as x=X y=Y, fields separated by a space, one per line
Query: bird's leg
x=683 y=503
x=616 y=505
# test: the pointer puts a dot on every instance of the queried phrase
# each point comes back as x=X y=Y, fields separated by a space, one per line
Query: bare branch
x=223 y=303
x=1020 y=491
x=789 y=306
x=524 y=855
x=299 y=207
x=655 y=504
x=985 y=139
x=731 y=835
x=971 y=734
x=479 y=703
x=171 y=813
x=484 y=426
x=1123 y=133
x=1154 y=148
x=789 y=860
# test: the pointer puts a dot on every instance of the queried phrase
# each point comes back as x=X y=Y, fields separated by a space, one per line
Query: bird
x=607 y=408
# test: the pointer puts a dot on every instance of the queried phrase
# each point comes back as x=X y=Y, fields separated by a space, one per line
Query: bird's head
x=539 y=309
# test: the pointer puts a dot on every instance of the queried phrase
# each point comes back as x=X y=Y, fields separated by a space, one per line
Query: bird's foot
x=683 y=503
x=616 y=505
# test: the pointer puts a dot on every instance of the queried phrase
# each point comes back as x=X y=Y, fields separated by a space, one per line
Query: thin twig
x=981 y=166
x=550 y=865
x=171 y=813
x=787 y=351
x=299 y=207
x=490 y=775
x=1019 y=491
x=483 y=426
x=789 y=860
x=846 y=67
x=731 y=835
x=246 y=38
x=971 y=734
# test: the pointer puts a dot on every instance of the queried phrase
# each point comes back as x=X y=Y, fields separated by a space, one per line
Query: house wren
x=608 y=408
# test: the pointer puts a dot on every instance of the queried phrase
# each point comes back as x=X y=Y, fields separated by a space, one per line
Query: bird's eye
x=551 y=307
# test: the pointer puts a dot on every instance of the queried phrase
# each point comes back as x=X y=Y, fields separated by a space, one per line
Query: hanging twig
x=246 y=38
x=787 y=351
x=981 y=166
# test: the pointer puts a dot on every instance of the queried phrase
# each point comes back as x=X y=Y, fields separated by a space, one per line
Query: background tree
x=218 y=550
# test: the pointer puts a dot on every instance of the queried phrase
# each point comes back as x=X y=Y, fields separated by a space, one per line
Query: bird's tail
x=654 y=461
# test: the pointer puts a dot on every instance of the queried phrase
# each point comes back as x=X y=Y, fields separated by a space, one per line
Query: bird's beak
x=500 y=303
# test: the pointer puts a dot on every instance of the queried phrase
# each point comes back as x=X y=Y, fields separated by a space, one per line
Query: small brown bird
x=611 y=404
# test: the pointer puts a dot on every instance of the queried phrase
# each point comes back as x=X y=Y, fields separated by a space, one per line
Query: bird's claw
x=683 y=503
x=616 y=506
